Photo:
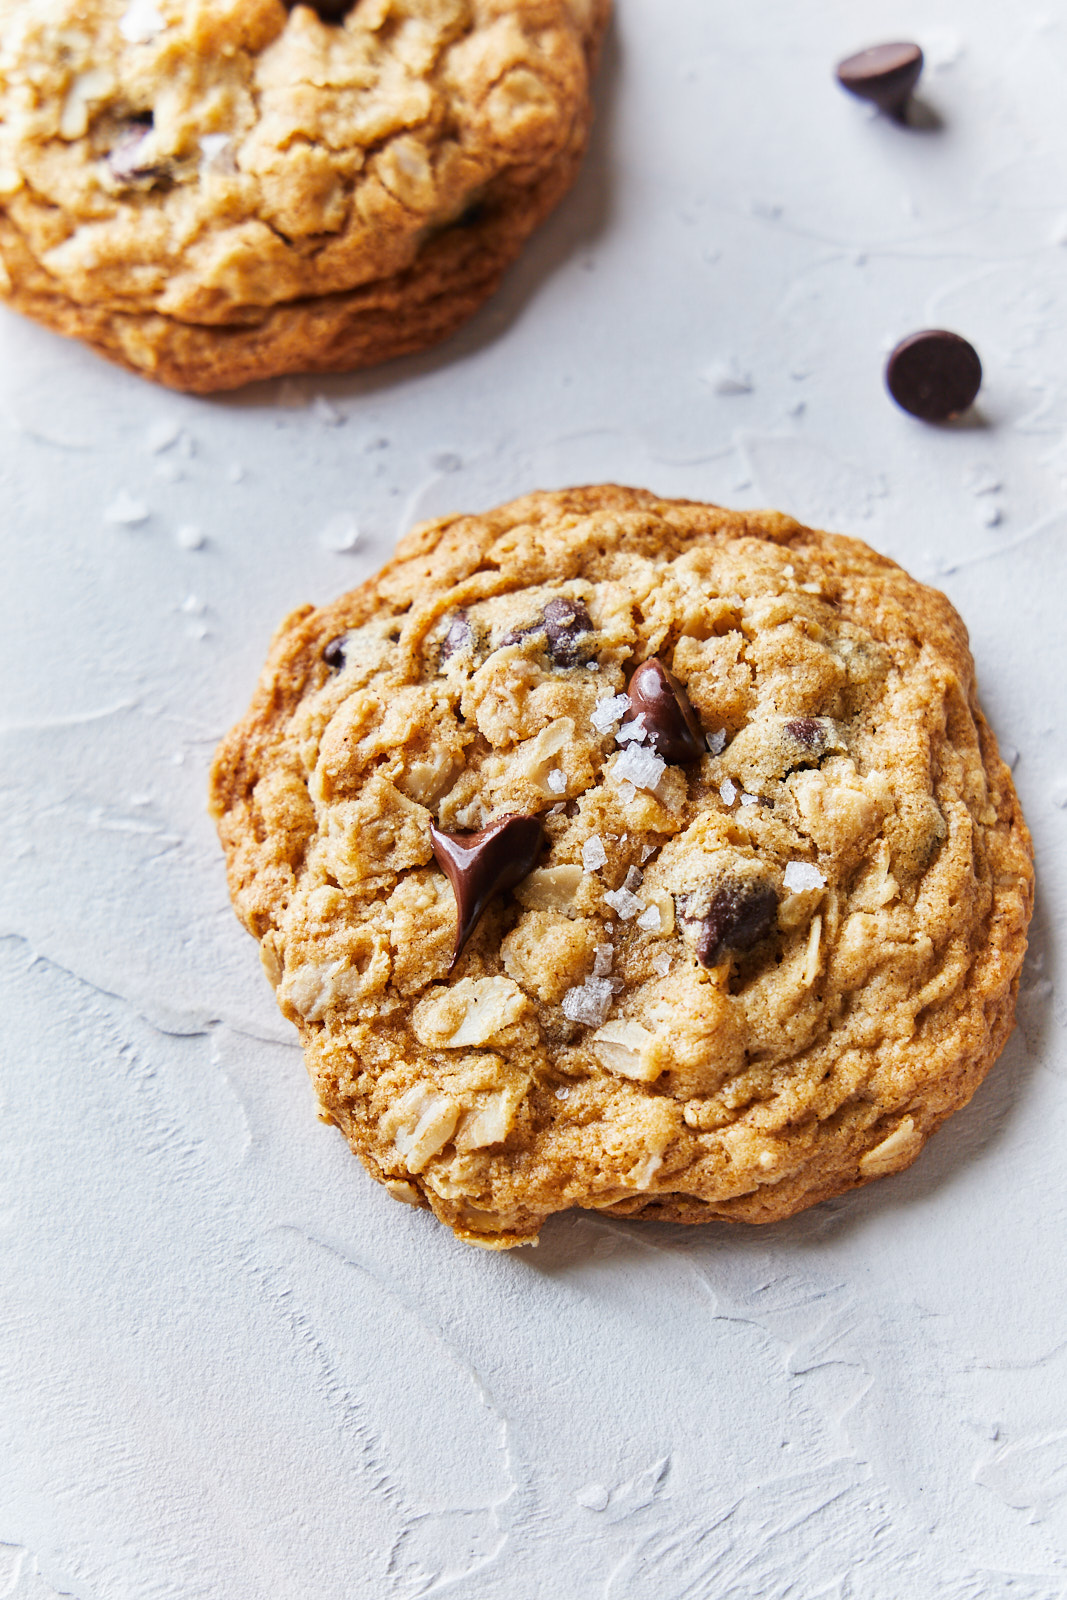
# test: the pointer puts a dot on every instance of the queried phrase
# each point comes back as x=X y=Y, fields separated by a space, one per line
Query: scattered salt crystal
x=789 y=571
x=192 y=606
x=326 y=412
x=627 y=905
x=650 y=920
x=749 y=799
x=800 y=876
x=557 y=780
x=140 y=22
x=563 y=1093
x=608 y=711
x=594 y=856
x=633 y=877
x=626 y=791
x=661 y=962
x=162 y=434
x=642 y=767
x=126 y=512
x=634 y=731
x=189 y=537
x=728 y=790
x=554 y=811
x=989 y=514
x=341 y=534
x=603 y=956
x=589 y=1003
x=215 y=153
x=646 y=851
x=727 y=378
x=716 y=742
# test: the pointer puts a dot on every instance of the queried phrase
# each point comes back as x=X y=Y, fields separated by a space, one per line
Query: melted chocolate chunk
x=565 y=622
x=885 y=75
x=334 y=654
x=460 y=634
x=480 y=865
x=739 y=916
x=934 y=375
x=807 y=731
x=673 y=728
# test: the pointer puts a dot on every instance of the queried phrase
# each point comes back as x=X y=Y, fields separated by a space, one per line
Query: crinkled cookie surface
x=733 y=982
x=211 y=191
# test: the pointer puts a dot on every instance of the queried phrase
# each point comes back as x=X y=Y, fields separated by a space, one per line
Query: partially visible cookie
x=213 y=191
x=632 y=854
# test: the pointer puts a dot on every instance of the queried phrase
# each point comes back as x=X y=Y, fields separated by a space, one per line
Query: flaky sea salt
x=607 y=712
x=642 y=767
x=594 y=856
x=603 y=956
x=728 y=790
x=799 y=876
x=650 y=920
x=632 y=879
x=716 y=742
x=341 y=534
x=626 y=791
x=750 y=799
x=189 y=537
x=141 y=22
x=126 y=512
x=661 y=962
x=557 y=780
x=627 y=905
x=633 y=732
x=589 y=1003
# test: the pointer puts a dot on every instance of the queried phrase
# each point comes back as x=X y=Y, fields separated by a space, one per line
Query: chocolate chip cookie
x=212 y=191
x=632 y=854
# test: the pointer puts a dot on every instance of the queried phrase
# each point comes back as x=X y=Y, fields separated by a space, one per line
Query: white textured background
x=231 y=1367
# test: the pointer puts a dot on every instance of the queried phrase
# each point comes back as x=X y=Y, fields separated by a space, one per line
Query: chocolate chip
x=738 y=917
x=673 y=728
x=460 y=634
x=565 y=622
x=885 y=75
x=334 y=654
x=934 y=374
x=328 y=10
x=480 y=865
x=807 y=731
x=126 y=156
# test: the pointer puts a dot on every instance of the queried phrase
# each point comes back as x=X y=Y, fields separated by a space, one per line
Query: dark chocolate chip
x=807 y=731
x=328 y=10
x=460 y=634
x=480 y=865
x=934 y=374
x=125 y=158
x=334 y=654
x=474 y=214
x=739 y=916
x=673 y=728
x=885 y=75
x=565 y=622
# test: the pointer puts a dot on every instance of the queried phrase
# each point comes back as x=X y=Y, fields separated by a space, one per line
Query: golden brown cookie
x=633 y=854
x=213 y=191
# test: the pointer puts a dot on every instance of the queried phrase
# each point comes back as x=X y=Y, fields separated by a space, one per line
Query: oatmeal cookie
x=212 y=191
x=633 y=854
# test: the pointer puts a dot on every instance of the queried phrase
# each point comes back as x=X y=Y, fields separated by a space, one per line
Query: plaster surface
x=230 y=1366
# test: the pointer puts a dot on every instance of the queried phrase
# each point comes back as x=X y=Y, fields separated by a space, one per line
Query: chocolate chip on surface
x=934 y=375
x=807 y=731
x=328 y=10
x=565 y=622
x=334 y=653
x=739 y=915
x=673 y=728
x=885 y=75
x=460 y=634
x=482 y=864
